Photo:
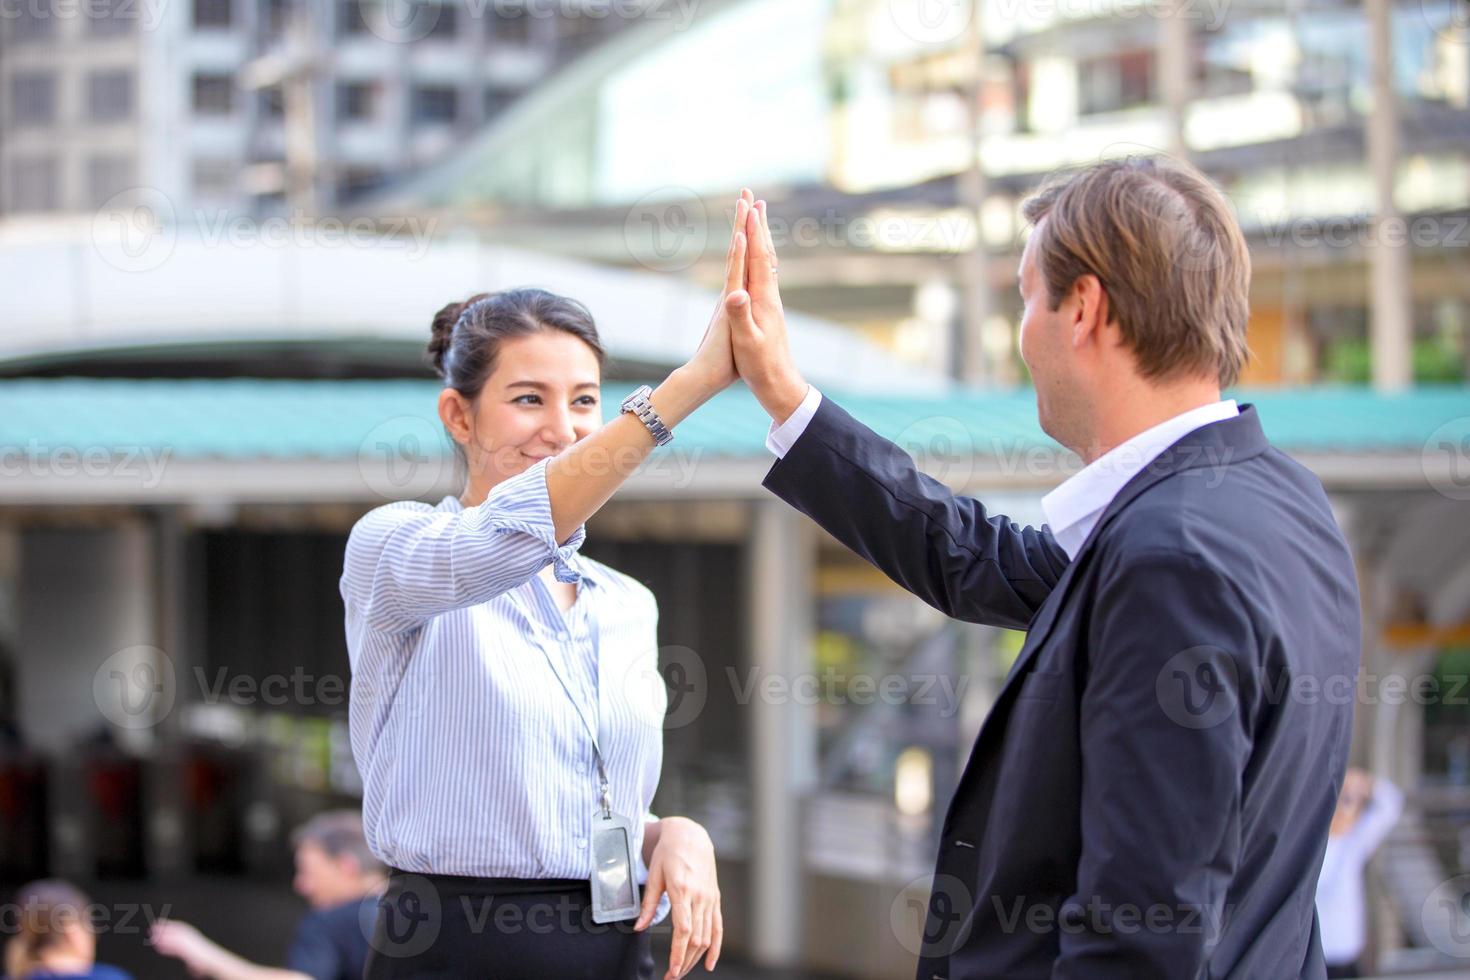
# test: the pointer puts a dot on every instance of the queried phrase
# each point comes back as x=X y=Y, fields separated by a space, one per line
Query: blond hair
x=1166 y=248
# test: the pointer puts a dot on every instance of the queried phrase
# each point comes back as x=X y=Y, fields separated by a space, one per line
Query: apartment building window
x=355 y=181
x=510 y=24
x=33 y=98
x=497 y=99
x=33 y=20
x=356 y=101
x=352 y=19
x=274 y=16
x=108 y=176
x=1116 y=82
x=271 y=102
x=34 y=184
x=109 y=96
x=445 y=25
x=576 y=34
x=213 y=178
x=212 y=14
x=435 y=104
x=214 y=94
x=112 y=18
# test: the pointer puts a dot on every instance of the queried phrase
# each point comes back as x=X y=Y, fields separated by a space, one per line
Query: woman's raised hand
x=714 y=362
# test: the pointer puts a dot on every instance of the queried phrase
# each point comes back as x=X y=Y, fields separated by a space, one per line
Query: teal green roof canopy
x=251 y=419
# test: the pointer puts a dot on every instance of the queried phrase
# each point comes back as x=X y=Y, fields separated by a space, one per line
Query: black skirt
x=499 y=929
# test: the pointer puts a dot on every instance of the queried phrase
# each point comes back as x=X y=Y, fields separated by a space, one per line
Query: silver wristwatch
x=639 y=405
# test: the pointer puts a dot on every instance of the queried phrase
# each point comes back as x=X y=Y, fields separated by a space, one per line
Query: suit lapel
x=1217 y=444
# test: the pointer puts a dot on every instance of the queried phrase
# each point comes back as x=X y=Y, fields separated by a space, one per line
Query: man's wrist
x=781 y=396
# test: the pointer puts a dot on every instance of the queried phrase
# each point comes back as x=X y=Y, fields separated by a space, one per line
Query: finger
x=680 y=945
x=759 y=258
x=738 y=229
x=651 y=893
x=706 y=934
x=735 y=265
x=773 y=263
x=717 y=938
x=742 y=322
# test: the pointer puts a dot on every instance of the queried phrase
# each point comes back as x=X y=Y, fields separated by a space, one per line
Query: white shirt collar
x=1074 y=507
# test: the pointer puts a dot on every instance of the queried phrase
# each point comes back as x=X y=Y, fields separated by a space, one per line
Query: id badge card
x=614 y=886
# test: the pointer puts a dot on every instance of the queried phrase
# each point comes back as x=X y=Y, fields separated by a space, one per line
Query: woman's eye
x=588 y=401
x=523 y=400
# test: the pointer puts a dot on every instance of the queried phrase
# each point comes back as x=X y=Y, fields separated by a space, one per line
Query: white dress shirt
x=1072 y=509
x=474 y=759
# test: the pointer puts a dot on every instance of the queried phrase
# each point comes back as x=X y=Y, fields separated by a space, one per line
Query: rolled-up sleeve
x=405 y=565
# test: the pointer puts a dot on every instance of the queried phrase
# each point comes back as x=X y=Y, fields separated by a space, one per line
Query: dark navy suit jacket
x=1150 y=794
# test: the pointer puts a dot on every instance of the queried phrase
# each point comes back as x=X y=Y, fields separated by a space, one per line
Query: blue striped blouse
x=473 y=759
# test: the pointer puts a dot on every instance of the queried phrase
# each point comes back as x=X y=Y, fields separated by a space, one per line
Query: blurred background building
x=225 y=225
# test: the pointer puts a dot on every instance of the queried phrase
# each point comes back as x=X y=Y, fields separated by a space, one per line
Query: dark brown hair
x=338 y=832
x=1164 y=244
x=465 y=338
x=48 y=911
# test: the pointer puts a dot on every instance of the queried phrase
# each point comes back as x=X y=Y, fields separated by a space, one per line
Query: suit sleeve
x=946 y=549
x=1165 y=739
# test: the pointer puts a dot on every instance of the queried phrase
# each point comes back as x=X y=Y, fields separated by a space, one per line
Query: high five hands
x=746 y=338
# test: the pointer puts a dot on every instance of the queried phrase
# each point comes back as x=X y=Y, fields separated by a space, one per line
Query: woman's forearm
x=583 y=477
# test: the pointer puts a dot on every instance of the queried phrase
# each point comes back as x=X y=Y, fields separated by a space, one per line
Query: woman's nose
x=559 y=429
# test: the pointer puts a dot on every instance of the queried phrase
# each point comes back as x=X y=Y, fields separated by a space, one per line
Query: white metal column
x=782 y=732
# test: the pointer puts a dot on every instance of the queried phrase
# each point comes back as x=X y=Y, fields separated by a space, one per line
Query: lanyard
x=597 y=733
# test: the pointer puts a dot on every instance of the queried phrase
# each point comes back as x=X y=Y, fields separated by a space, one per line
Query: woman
x=1367 y=809
x=498 y=742
x=51 y=936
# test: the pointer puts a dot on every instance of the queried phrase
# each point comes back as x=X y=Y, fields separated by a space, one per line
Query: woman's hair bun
x=441 y=332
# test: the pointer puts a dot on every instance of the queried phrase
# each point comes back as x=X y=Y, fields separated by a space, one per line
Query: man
x=339 y=877
x=1150 y=794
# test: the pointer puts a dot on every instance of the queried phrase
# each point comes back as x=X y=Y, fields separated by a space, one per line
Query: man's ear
x=1090 y=309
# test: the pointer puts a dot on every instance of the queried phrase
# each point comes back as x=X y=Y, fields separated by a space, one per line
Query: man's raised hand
x=758 y=324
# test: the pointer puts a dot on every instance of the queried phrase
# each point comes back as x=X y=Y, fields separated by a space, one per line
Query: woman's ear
x=454 y=412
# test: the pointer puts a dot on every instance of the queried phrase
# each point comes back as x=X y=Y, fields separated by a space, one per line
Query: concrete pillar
x=974 y=363
x=1176 y=55
x=86 y=611
x=1390 y=321
x=782 y=732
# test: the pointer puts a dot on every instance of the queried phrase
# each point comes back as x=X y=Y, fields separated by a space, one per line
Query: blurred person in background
x=1136 y=805
x=1367 y=810
x=338 y=876
x=504 y=754
x=53 y=936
